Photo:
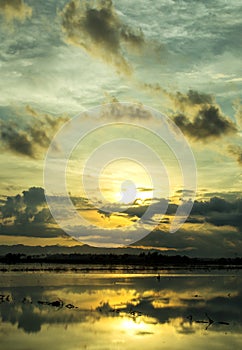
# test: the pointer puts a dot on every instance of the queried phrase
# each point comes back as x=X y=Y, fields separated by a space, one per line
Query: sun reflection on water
x=119 y=311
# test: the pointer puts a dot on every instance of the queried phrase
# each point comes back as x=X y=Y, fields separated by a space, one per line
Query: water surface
x=117 y=310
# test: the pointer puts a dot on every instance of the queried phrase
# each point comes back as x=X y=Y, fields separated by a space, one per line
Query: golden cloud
x=15 y=10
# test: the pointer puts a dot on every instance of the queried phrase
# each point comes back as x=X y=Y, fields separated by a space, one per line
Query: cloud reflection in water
x=120 y=310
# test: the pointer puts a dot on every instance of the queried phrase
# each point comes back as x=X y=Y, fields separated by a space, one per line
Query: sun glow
x=134 y=327
x=132 y=185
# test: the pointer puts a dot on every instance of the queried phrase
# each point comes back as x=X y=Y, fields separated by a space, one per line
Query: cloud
x=34 y=196
x=15 y=10
x=215 y=204
x=192 y=98
x=31 y=206
x=182 y=102
x=145 y=189
x=32 y=140
x=216 y=211
x=226 y=219
x=219 y=212
x=27 y=215
x=197 y=114
x=119 y=111
x=236 y=152
x=12 y=206
x=97 y=28
x=211 y=241
x=208 y=123
x=18 y=141
x=238 y=113
x=25 y=206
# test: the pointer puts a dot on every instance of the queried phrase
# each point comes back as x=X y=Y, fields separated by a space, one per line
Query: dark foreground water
x=98 y=310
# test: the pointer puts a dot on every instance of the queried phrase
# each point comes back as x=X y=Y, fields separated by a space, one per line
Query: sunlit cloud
x=211 y=221
x=33 y=139
x=209 y=123
x=99 y=29
x=15 y=10
x=236 y=152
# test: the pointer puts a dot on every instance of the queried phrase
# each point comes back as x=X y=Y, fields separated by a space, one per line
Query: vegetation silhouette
x=153 y=260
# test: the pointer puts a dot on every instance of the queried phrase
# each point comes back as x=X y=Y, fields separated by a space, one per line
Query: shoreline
x=109 y=268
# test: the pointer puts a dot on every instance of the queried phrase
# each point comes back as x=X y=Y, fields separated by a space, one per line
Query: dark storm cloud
x=215 y=204
x=34 y=196
x=216 y=211
x=31 y=230
x=191 y=98
x=12 y=206
x=197 y=114
x=18 y=141
x=14 y=10
x=208 y=123
x=34 y=138
x=28 y=207
x=97 y=28
x=181 y=101
x=220 y=212
x=193 y=220
x=27 y=215
x=226 y=219
x=31 y=206
x=236 y=152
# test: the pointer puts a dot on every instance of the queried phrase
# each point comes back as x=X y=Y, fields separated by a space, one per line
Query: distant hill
x=56 y=249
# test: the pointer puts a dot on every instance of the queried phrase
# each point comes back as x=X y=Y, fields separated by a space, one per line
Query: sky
x=59 y=60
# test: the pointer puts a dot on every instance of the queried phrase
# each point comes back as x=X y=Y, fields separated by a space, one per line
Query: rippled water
x=121 y=310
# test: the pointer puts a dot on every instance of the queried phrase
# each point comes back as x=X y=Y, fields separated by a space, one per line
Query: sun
x=128 y=192
x=125 y=182
x=131 y=194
